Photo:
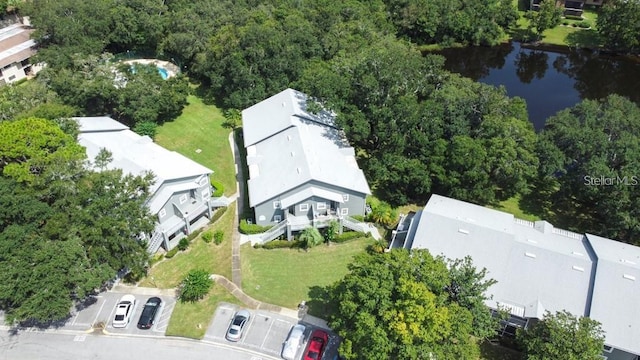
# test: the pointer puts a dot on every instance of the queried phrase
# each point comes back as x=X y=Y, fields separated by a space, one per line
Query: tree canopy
x=64 y=230
x=401 y=305
x=562 y=336
x=618 y=24
x=589 y=166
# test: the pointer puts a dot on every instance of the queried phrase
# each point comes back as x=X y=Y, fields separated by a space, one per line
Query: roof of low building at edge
x=539 y=267
x=132 y=153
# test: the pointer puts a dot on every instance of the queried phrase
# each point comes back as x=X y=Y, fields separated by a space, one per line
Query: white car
x=293 y=342
x=124 y=311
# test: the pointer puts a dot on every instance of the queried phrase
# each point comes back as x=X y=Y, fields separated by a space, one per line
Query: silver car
x=293 y=342
x=236 y=328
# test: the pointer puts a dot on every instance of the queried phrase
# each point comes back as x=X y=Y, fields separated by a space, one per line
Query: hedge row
x=218 y=214
x=219 y=188
x=279 y=244
x=348 y=235
x=249 y=229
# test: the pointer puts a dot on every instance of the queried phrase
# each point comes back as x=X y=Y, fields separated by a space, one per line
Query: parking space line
x=98 y=313
x=266 y=335
x=248 y=326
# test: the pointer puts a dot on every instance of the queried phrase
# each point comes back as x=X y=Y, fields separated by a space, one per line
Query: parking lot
x=265 y=332
x=102 y=310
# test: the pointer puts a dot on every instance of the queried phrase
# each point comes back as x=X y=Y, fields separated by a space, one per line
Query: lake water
x=549 y=81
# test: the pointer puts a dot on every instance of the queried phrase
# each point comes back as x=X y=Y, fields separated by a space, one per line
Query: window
x=276 y=204
x=183 y=198
x=608 y=349
x=304 y=207
x=322 y=206
x=262 y=218
x=205 y=194
x=203 y=181
x=277 y=218
x=345 y=197
x=344 y=211
x=162 y=213
x=12 y=77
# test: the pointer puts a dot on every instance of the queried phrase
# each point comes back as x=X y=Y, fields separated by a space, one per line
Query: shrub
x=207 y=236
x=383 y=214
x=218 y=214
x=349 y=235
x=218 y=236
x=183 y=244
x=358 y=217
x=171 y=253
x=279 y=244
x=584 y=24
x=249 y=229
x=148 y=128
x=195 y=286
x=331 y=231
x=565 y=23
x=573 y=17
x=193 y=235
x=310 y=237
x=219 y=188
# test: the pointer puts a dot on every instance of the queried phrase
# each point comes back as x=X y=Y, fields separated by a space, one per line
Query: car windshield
x=233 y=331
x=238 y=320
x=119 y=317
x=312 y=355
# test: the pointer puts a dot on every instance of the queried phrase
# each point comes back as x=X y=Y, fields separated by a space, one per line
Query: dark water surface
x=549 y=81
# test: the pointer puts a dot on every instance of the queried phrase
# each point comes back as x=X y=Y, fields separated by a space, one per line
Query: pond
x=548 y=80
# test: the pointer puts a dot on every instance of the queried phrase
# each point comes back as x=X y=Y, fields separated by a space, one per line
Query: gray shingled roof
x=134 y=154
x=616 y=294
x=539 y=267
x=287 y=147
x=536 y=268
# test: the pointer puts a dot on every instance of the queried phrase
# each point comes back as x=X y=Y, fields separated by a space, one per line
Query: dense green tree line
x=64 y=230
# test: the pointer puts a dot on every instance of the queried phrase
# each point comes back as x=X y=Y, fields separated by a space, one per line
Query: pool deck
x=171 y=68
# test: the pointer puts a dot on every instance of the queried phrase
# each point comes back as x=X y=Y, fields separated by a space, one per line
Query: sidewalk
x=137 y=290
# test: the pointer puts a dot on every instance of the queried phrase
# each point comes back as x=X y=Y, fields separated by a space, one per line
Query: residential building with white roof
x=301 y=167
x=181 y=193
x=538 y=267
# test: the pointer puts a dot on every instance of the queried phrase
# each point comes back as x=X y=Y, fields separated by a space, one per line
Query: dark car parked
x=149 y=313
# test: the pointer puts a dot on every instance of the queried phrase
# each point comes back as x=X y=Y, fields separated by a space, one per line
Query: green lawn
x=200 y=127
x=201 y=255
x=512 y=206
x=192 y=319
x=284 y=276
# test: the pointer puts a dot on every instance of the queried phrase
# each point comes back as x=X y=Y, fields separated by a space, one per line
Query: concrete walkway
x=138 y=290
x=236 y=265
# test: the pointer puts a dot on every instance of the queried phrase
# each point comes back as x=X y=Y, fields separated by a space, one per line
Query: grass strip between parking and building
x=191 y=320
x=198 y=133
x=284 y=276
x=216 y=259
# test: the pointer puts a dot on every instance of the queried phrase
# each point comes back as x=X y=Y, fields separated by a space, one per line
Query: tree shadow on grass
x=319 y=302
x=495 y=350
x=583 y=39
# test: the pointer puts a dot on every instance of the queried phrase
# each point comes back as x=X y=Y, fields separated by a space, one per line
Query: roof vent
x=531 y=255
x=289 y=137
x=299 y=170
x=284 y=104
x=292 y=154
x=463 y=231
x=629 y=277
x=577 y=253
x=628 y=261
x=532 y=241
x=578 y=268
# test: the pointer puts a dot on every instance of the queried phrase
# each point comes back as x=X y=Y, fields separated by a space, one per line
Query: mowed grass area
x=200 y=127
x=216 y=259
x=284 y=276
x=512 y=206
x=191 y=320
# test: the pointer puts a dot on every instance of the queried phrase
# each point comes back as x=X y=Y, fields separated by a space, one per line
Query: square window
x=276 y=204
x=344 y=211
x=183 y=198
x=322 y=206
x=162 y=213
x=205 y=194
x=345 y=197
x=277 y=218
x=304 y=207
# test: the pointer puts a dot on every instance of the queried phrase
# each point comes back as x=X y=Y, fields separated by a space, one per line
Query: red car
x=317 y=344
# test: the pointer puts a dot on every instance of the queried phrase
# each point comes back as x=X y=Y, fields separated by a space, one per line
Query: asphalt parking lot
x=266 y=331
x=103 y=310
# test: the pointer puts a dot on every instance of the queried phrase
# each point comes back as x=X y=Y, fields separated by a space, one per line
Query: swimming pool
x=163 y=72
